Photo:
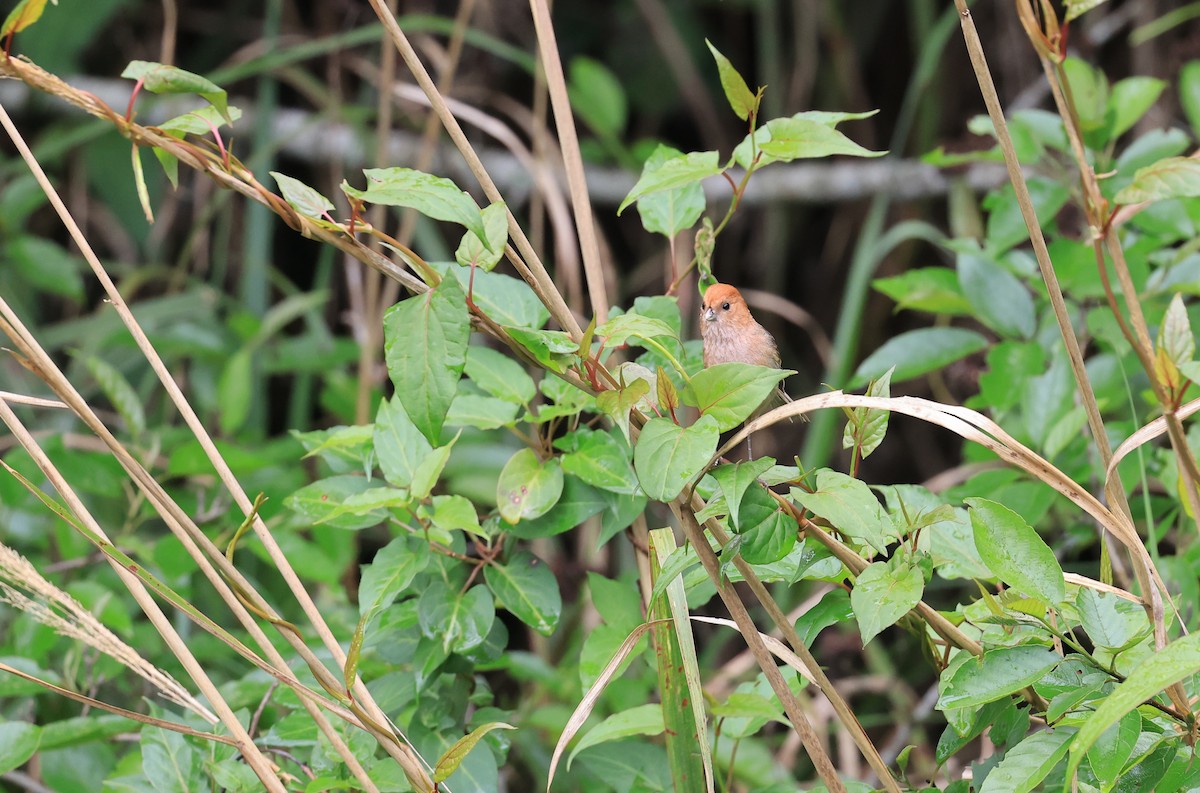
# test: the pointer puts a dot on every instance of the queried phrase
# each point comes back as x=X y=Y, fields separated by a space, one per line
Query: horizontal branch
x=311 y=137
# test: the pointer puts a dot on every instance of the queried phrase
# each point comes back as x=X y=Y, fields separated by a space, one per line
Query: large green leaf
x=794 y=138
x=507 y=300
x=668 y=456
x=766 y=533
x=433 y=196
x=741 y=98
x=850 y=506
x=499 y=375
x=457 y=621
x=1014 y=552
x=601 y=459
x=932 y=289
x=324 y=502
x=390 y=573
x=668 y=212
x=735 y=478
x=673 y=173
x=883 y=594
x=169 y=760
x=158 y=78
x=425 y=344
x=1156 y=672
x=1174 y=177
x=729 y=392
x=528 y=589
x=638 y=720
x=399 y=445
x=528 y=487
x=1000 y=300
x=18 y=742
x=918 y=352
x=597 y=96
x=1025 y=765
x=1000 y=672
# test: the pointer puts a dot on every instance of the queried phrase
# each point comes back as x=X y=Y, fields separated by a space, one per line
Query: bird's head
x=724 y=304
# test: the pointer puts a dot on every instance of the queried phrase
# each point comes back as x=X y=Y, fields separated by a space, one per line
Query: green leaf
x=303 y=199
x=918 y=352
x=867 y=427
x=390 y=573
x=1110 y=621
x=578 y=502
x=798 y=137
x=1025 y=765
x=46 y=265
x=1108 y=755
x=200 y=121
x=881 y=596
x=24 y=14
x=1173 y=177
x=999 y=300
x=169 y=760
x=834 y=608
x=735 y=478
x=1156 y=672
x=673 y=173
x=481 y=412
x=528 y=589
x=458 y=622
x=849 y=505
x=553 y=349
x=1001 y=672
x=1189 y=93
x=507 y=300
x=618 y=402
x=399 y=445
x=766 y=533
x=1014 y=552
x=1129 y=101
x=159 y=78
x=631 y=325
x=743 y=101
x=234 y=391
x=1175 y=336
x=730 y=392
x=597 y=96
x=932 y=289
x=668 y=212
x=499 y=375
x=528 y=487
x=426 y=347
x=18 y=742
x=119 y=392
x=600 y=459
x=668 y=456
x=449 y=762
x=473 y=250
x=429 y=470
x=1089 y=89
x=324 y=502
x=638 y=720
x=454 y=513
x=433 y=196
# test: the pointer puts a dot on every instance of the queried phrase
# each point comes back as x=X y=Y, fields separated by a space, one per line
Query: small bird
x=731 y=335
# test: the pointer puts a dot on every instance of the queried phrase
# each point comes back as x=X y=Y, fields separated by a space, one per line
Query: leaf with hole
x=528 y=487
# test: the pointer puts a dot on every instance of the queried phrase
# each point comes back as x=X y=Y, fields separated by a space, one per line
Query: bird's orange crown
x=721 y=293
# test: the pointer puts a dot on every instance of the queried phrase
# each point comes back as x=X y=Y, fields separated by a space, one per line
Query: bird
x=731 y=335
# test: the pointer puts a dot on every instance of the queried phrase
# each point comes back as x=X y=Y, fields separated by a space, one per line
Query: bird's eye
x=725 y=306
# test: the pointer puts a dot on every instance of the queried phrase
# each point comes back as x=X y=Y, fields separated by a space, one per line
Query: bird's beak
x=709 y=315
